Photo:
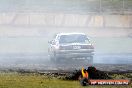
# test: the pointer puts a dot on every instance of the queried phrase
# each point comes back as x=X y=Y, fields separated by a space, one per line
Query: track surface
x=106 y=62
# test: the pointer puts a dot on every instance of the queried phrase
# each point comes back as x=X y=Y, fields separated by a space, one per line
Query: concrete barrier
x=66 y=20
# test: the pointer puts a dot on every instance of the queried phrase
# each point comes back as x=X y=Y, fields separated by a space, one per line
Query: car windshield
x=74 y=38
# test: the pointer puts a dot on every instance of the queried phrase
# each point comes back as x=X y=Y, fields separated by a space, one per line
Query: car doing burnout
x=70 y=45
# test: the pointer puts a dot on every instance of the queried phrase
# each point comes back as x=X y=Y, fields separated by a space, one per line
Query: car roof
x=59 y=34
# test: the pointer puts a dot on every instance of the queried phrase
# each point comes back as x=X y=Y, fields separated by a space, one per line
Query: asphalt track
x=106 y=62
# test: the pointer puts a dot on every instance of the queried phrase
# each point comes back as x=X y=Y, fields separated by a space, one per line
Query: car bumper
x=74 y=53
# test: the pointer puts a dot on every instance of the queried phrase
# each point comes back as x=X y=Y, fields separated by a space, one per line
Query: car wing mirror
x=51 y=42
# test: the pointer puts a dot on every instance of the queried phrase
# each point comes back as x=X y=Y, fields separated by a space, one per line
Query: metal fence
x=68 y=6
x=116 y=6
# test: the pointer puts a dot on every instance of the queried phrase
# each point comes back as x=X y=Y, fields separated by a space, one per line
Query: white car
x=70 y=45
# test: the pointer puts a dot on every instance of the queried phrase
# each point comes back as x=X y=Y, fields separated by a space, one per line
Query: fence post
x=123 y=7
x=100 y=5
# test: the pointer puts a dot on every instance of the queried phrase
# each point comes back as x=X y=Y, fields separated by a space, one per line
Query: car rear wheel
x=54 y=59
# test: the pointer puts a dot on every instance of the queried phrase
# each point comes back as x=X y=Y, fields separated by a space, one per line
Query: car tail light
x=57 y=47
x=87 y=47
x=61 y=48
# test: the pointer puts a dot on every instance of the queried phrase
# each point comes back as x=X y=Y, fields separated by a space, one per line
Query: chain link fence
x=68 y=6
x=116 y=6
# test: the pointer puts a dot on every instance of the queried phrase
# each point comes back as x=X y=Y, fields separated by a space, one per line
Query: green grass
x=11 y=80
x=16 y=80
